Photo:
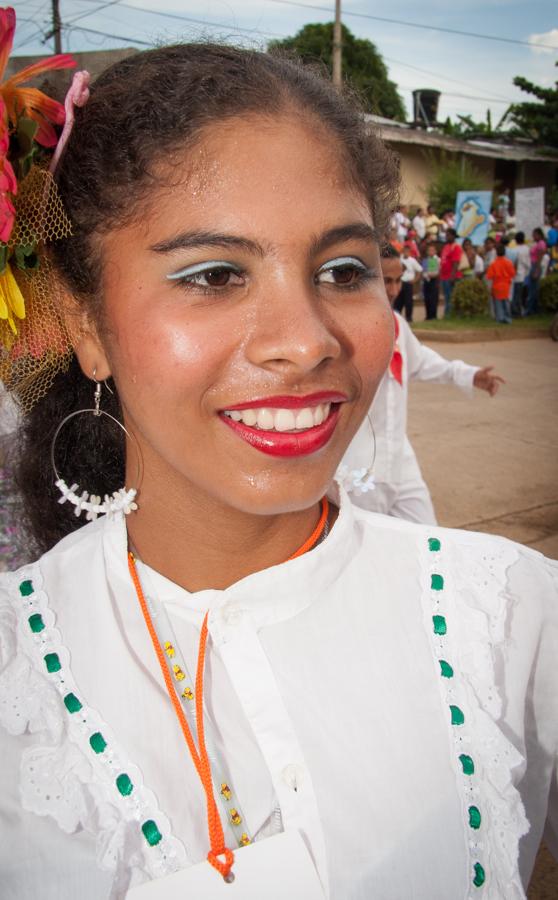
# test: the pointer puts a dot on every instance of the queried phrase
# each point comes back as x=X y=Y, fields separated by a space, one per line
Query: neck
x=200 y=543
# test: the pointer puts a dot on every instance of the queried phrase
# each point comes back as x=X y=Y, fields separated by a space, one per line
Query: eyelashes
x=215 y=276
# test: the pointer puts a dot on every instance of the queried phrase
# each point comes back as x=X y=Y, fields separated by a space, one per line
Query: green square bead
x=457 y=717
x=474 y=817
x=151 y=833
x=433 y=544
x=72 y=703
x=52 y=662
x=480 y=876
x=124 y=784
x=98 y=743
x=26 y=588
x=36 y=623
x=446 y=669
x=440 y=626
x=468 y=764
x=437 y=582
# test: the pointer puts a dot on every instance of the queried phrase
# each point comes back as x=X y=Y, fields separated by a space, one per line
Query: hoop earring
x=121 y=500
x=359 y=481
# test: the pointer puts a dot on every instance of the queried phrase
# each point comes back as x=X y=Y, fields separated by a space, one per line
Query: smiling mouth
x=286 y=431
x=282 y=420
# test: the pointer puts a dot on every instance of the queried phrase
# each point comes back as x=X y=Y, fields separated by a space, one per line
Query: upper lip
x=291 y=401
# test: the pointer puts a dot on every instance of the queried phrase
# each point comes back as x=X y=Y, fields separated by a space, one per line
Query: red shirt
x=501 y=273
x=451 y=254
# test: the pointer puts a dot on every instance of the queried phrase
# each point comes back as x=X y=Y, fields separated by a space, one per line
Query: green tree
x=535 y=119
x=363 y=67
x=453 y=175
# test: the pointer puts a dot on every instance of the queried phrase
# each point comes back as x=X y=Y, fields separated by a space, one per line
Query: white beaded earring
x=122 y=500
x=359 y=481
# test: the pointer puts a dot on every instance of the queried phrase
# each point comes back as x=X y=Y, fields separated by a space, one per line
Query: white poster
x=529 y=210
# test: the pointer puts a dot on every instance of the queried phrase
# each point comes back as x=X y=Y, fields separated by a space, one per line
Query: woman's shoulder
x=486 y=564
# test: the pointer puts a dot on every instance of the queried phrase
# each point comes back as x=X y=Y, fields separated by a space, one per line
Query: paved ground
x=492 y=463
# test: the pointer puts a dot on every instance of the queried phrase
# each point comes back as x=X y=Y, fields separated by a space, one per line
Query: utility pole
x=56 y=27
x=337 y=47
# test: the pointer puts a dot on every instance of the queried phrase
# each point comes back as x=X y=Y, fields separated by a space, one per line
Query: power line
x=404 y=87
x=116 y=37
x=438 y=75
x=473 y=34
x=166 y=15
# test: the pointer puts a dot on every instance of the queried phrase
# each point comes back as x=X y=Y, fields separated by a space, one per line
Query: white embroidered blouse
x=392 y=694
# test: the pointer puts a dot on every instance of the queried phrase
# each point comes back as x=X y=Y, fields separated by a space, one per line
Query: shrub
x=470 y=298
x=450 y=176
x=548 y=297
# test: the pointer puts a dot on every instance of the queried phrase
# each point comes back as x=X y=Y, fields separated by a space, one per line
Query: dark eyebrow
x=206 y=239
x=355 y=231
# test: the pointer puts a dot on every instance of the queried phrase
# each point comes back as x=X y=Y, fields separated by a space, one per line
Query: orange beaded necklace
x=199 y=754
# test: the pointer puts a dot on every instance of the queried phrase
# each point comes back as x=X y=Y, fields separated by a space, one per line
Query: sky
x=474 y=74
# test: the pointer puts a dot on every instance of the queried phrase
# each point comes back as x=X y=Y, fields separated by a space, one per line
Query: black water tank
x=425 y=107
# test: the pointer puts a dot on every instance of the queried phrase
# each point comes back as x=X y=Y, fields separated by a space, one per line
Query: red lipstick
x=284 y=443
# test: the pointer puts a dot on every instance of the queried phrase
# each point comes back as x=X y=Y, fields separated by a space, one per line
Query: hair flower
x=26 y=102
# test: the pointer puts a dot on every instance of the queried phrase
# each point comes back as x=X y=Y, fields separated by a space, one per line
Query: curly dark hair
x=140 y=110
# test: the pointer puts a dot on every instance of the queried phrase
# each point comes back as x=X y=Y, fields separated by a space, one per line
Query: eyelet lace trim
x=483 y=757
x=77 y=772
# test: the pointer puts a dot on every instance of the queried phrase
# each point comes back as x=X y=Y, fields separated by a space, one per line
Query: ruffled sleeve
x=74 y=770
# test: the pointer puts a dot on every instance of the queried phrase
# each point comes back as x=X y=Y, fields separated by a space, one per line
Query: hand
x=486 y=381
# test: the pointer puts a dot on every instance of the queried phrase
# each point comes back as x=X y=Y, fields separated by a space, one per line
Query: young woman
x=320 y=701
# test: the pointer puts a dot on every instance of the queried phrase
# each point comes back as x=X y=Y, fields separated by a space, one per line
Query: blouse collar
x=270 y=595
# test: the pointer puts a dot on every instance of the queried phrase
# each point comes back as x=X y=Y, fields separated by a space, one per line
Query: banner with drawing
x=472 y=215
x=529 y=210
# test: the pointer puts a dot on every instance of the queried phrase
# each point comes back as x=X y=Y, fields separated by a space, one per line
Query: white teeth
x=305 y=418
x=281 y=419
x=249 y=417
x=285 y=420
x=265 y=419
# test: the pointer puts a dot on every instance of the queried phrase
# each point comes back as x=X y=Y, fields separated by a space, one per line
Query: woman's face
x=247 y=326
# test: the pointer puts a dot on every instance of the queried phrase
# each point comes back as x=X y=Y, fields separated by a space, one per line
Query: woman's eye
x=343 y=272
x=343 y=275
x=212 y=277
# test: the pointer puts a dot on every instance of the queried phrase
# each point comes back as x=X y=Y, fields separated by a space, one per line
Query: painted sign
x=472 y=215
x=529 y=210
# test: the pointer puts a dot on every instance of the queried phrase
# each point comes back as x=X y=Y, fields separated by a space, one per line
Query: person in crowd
x=433 y=223
x=475 y=265
x=400 y=489
x=401 y=223
x=501 y=274
x=394 y=240
x=410 y=242
x=419 y=223
x=504 y=204
x=449 y=267
x=537 y=251
x=431 y=280
x=225 y=669
x=412 y=273
x=522 y=267
x=552 y=242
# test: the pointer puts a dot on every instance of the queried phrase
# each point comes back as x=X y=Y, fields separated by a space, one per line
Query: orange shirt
x=501 y=273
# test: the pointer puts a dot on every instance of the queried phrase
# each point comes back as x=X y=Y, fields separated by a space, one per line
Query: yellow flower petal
x=3 y=304
x=13 y=293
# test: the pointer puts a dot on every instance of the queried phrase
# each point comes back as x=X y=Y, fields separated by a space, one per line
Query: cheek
x=373 y=346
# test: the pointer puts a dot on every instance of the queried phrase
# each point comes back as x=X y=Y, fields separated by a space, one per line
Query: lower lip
x=284 y=443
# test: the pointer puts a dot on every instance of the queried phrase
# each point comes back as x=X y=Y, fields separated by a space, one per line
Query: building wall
x=418 y=168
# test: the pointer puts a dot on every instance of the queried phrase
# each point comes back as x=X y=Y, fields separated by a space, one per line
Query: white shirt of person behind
x=411 y=267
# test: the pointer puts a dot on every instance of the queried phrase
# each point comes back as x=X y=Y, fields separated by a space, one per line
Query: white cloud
x=549 y=39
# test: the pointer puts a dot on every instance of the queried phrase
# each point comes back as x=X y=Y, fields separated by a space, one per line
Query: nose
x=294 y=332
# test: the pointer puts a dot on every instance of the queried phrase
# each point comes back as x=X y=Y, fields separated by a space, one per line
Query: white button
x=293 y=775
x=232 y=616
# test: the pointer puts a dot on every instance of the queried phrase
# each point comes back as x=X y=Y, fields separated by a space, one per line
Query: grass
x=478 y=322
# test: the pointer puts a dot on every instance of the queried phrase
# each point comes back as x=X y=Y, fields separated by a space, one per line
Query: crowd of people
x=511 y=263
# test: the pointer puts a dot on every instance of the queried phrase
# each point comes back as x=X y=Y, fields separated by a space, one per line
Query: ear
x=84 y=337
